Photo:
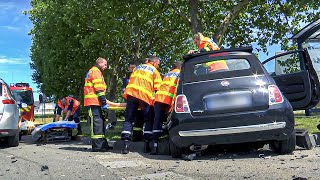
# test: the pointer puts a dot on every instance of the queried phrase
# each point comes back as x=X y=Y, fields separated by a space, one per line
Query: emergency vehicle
x=23 y=94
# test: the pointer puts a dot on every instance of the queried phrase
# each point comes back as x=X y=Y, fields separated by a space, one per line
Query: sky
x=15 y=43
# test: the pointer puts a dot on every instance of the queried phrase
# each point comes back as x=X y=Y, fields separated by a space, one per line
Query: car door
x=296 y=77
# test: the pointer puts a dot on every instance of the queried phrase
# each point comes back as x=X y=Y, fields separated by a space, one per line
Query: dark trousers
x=160 y=115
x=98 y=139
x=131 y=114
x=76 y=119
x=137 y=131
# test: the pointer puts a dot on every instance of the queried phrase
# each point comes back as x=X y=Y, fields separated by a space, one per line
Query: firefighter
x=137 y=130
x=203 y=43
x=163 y=102
x=207 y=44
x=71 y=107
x=95 y=101
x=144 y=81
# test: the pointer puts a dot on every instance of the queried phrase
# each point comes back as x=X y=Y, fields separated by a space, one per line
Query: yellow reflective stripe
x=137 y=129
x=140 y=89
x=206 y=48
x=97 y=136
x=22 y=110
x=97 y=80
x=91 y=96
x=100 y=86
x=101 y=94
x=169 y=83
x=165 y=93
x=88 y=84
x=91 y=120
x=142 y=77
x=26 y=109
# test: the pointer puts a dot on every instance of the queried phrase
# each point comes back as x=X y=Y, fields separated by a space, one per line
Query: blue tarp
x=36 y=133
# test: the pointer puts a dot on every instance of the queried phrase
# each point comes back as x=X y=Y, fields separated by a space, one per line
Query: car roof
x=248 y=49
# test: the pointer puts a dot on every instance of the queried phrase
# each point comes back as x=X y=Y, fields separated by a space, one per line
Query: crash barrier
x=303 y=139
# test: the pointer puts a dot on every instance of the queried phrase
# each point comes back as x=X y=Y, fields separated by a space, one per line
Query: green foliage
x=69 y=35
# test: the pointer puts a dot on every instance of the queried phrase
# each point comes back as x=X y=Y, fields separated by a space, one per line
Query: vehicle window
x=313 y=48
x=220 y=65
x=284 y=64
x=23 y=96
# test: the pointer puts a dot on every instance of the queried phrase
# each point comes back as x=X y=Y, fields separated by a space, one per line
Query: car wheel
x=13 y=141
x=285 y=146
x=175 y=151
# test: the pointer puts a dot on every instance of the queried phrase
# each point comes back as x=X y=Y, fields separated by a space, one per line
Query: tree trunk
x=195 y=26
x=111 y=96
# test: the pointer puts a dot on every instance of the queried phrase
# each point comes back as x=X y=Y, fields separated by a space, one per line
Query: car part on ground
x=53 y=132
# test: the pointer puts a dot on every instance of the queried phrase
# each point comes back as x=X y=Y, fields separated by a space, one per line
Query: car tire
x=175 y=151
x=285 y=146
x=13 y=141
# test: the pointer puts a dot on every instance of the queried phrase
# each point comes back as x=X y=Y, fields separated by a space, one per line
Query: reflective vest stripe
x=91 y=96
x=140 y=89
x=165 y=93
x=100 y=86
x=142 y=77
x=89 y=84
x=97 y=80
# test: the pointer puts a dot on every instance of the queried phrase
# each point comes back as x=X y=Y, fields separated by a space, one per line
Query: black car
x=243 y=103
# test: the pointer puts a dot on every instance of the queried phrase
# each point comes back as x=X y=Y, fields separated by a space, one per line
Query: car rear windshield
x=216 y=67
x=220 y=65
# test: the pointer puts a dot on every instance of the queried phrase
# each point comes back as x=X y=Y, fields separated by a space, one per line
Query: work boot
x=125 y=147
x=154 y=150
x=146 y=148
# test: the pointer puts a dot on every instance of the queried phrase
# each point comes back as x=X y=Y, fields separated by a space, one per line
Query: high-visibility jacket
x=168 y=87
x=207 y=44
x=144 y=81
x=216 y=65
x=94 y=87
x=69 y=100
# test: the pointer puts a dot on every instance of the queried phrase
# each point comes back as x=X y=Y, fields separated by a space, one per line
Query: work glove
x=105 y=107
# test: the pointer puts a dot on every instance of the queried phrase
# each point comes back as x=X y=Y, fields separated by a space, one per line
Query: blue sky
x=15 y=42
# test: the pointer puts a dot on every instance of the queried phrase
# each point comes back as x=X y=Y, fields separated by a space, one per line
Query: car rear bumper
x=272 y=124
x=8 y=132
x=233 y=130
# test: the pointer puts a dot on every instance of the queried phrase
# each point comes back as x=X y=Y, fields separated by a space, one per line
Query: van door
x=296 y=77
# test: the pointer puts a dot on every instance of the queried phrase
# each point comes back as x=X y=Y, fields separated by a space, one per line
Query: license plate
x=230 y=100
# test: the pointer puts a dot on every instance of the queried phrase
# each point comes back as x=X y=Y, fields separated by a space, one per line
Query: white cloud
x=3 y=72
x=6 y=5
x=5 y=60
x=10 y=28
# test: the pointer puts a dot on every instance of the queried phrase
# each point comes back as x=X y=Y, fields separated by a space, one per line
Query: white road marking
x=164 y=175
x=121 y=164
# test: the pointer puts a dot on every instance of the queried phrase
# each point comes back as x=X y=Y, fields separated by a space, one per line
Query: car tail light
x=275 y=96
x=8 y=101
x=181 y=105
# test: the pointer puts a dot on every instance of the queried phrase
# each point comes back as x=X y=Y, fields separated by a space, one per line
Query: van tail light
x=275 y=96
x=8 y=101
x=181 y=105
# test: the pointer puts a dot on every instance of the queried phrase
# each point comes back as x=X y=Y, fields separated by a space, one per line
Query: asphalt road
x=73 y=160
